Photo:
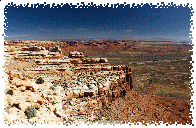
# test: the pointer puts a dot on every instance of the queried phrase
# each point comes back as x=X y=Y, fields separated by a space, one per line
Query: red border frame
x=3 y=3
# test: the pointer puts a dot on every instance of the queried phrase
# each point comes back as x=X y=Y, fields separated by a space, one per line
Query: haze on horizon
x=65 y=22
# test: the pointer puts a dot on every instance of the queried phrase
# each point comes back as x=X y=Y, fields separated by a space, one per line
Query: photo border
x=78 y=4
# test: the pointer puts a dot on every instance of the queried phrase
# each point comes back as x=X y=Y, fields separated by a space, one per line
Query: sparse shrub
x=55 y=49
x=11 y=77
x=39 y=81
x=30 y=112
x=64 y=85
x=55 y=83
x=150 y=81
x=54 y=93
x=10 y=92
x=51 y=87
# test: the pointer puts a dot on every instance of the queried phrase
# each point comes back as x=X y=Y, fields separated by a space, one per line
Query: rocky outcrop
x=73 y=85
x=76 y=54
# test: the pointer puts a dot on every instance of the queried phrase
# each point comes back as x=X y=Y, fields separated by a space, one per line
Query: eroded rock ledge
x=73 y=85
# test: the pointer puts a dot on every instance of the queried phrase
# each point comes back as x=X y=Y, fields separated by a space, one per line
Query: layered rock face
x=73 y=85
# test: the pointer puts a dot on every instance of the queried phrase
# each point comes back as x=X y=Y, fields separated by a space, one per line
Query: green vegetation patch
x=30 y=112
x=52 y=88
x=39 y=81
x=10 y=92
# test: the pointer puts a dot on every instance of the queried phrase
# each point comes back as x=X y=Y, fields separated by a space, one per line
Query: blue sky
x=124 y=22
